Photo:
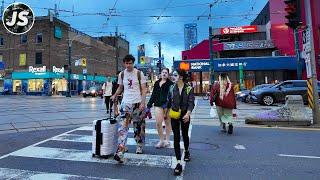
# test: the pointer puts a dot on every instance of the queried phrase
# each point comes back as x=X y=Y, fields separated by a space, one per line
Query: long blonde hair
x=223 y=88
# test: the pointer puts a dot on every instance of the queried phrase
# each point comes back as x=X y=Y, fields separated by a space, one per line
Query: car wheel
x=247 y=99
x=84 y=96
x=267 y=100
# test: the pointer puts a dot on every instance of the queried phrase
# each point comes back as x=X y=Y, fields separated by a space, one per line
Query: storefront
x=257 y=70
x=37 y=81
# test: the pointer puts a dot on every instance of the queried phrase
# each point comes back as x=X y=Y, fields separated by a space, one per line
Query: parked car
x=92 y=91
x=278 y=92
x=244 y=95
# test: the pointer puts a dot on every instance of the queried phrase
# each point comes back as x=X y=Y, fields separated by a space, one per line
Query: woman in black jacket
x=181 y=98
x=159 y=99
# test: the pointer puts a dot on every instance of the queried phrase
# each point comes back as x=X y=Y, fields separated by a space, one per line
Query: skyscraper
x=190 y=35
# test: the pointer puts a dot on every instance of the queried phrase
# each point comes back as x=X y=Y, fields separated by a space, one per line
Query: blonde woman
x=222 y=94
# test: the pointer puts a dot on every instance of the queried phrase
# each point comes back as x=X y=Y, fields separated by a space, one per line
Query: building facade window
x=23 y=39
x=39 y=38
x=35 y=85
x=38 y=58
x=1 y=41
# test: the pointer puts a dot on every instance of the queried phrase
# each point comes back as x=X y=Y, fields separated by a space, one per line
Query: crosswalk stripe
x=88 y=139
x=148 y=131
x=86 y=156
x=6 y=173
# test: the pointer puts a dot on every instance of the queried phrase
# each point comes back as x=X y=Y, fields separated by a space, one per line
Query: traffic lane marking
x=299 y=156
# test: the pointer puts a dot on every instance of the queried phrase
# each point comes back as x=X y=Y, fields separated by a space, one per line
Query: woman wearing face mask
x=159 y=99
x=222 y=94
x=180 y=99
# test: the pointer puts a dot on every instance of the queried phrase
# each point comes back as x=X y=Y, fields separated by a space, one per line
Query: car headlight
x=93 y=91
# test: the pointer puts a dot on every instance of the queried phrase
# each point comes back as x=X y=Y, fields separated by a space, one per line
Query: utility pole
x=117 y=49
x=159 y=61
x=315 y=110
x=69 y=69
x=211 y=49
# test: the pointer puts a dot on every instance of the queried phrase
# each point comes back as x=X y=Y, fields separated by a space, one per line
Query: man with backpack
x=132 y=83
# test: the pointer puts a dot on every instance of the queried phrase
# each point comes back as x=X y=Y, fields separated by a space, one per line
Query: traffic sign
x=306 y=41
x=84 y=71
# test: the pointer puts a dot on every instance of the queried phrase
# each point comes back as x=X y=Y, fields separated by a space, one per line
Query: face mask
x=175 y=77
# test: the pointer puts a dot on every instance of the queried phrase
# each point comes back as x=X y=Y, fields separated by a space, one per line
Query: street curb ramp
x=293 y=113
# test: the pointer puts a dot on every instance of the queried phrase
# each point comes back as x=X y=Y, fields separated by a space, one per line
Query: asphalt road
x=250 y=153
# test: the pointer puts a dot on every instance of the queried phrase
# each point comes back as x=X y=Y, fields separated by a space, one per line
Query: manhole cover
x=203 y=146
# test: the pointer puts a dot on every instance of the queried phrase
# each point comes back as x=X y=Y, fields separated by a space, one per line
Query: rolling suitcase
x=105 y=137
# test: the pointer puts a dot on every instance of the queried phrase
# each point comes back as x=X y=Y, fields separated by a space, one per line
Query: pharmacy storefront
x=37 y=81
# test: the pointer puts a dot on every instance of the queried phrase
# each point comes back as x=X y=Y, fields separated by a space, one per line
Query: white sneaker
x=166 y=144
x=139 y=150
x=159 y=145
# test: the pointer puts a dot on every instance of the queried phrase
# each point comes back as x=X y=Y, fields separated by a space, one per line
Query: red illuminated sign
x=238 y=30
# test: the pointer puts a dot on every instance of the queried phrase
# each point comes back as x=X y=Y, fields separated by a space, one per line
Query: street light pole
x=69 y=68
x=297 y=51
x=211 y=49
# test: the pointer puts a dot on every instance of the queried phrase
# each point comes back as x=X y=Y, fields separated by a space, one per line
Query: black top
x=159 y=94
x=185 y=101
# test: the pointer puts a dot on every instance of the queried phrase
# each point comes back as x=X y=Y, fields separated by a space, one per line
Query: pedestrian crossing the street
x=74 y=147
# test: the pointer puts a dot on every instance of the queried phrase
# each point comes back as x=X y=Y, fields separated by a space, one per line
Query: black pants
x=175 y=123
x=108 y=102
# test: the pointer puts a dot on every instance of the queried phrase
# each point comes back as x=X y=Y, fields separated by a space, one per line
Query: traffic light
x=293 y=10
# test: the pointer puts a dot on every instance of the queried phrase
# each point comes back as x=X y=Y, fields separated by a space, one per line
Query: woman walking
x=222 y=94
x=181 y=103
x=159 y=99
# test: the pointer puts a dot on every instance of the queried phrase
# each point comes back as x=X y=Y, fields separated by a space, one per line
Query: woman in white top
x=107 y=93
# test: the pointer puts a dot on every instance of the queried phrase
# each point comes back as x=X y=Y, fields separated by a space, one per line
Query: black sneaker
x=119 y=157
x=230 y=129
x=186 y=156
x=178 y=170
x=224 y=128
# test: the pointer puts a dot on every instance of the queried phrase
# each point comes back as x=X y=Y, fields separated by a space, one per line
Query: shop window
x=1 y=85
x=39 y=38
x=59 y=85
x=38 y=58
x=17 y=86
x=1 y=41
x=23 y=39
x=35 y=85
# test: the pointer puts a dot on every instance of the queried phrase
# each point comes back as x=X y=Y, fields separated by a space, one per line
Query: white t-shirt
x=107 y=86
x=131 y=88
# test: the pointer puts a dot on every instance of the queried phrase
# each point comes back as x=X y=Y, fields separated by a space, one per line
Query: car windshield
x=262 y=86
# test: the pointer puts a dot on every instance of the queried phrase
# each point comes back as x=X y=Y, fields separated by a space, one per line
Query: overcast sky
x=140 y=22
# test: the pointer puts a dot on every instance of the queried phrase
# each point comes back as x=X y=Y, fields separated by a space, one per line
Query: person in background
x=180 y=99
x=107 y=93
x=236 y=87
x=159 y=99
x=222 y=94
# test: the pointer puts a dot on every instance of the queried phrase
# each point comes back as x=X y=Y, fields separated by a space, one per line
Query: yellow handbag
x=174 y=114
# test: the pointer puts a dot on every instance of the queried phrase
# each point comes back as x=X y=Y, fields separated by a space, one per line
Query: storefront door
x=59 y=86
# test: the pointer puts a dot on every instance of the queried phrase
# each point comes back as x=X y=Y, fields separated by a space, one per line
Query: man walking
x=132 y=83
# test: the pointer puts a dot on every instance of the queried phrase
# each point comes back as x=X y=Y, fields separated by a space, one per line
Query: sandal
x=178 y=170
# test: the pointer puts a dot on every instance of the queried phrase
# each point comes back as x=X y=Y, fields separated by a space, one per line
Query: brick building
x=34 y=62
